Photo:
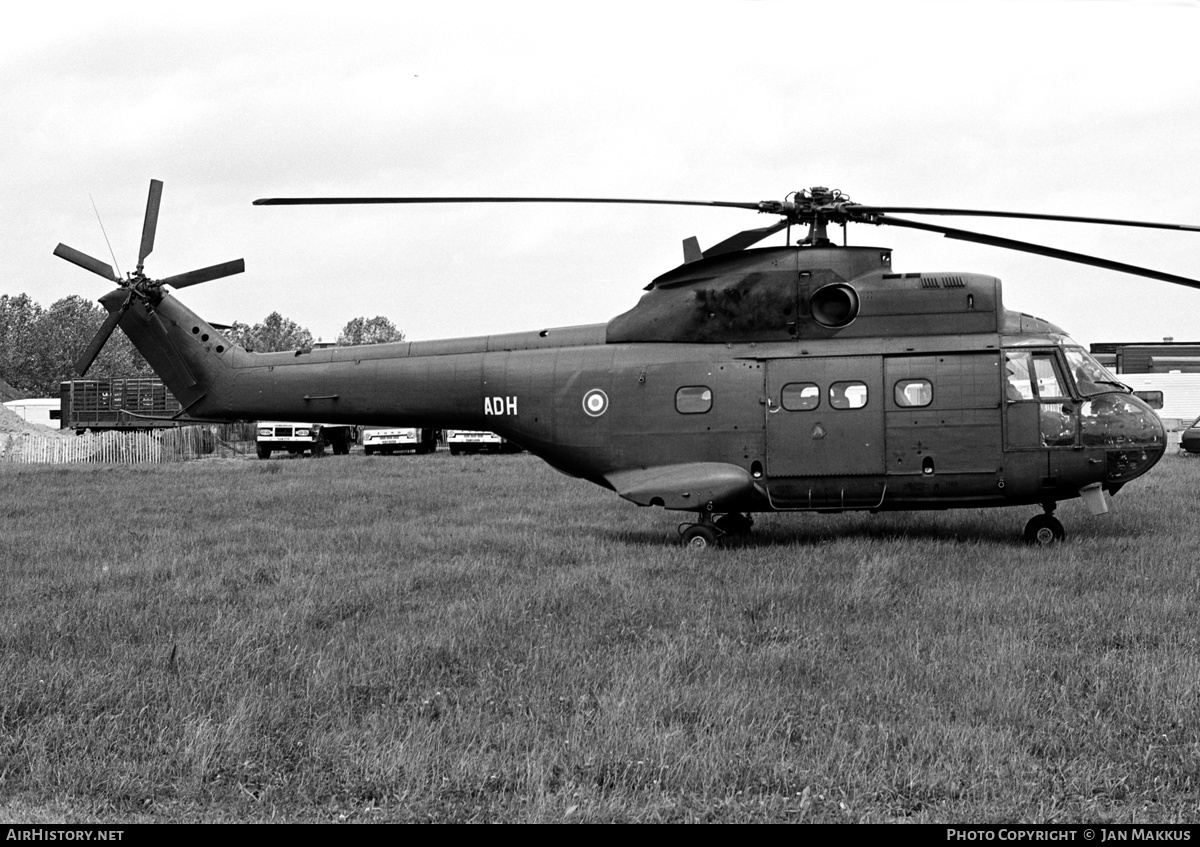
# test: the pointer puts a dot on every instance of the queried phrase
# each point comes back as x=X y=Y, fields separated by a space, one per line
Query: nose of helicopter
x=1128 y=429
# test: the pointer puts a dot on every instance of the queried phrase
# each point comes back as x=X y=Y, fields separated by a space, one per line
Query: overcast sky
x=1078 y=107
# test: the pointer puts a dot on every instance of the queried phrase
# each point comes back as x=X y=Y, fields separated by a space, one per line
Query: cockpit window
x=1018 y=385
x=1049 y=383
x=1091 y=377
x=1034 y=375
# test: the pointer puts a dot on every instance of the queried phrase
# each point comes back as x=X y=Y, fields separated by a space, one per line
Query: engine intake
x=835 y=305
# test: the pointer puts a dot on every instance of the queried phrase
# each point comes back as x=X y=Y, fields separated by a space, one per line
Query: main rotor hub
x=815 y=207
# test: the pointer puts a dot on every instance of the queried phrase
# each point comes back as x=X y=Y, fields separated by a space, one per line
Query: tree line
x=39 y=346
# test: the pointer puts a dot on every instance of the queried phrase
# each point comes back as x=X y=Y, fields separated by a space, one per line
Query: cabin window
x=914 y=392
x=800 y=396
x=848 y=395
x=693 y=400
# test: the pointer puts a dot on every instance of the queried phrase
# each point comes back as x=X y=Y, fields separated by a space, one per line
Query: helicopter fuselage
x=777 y=379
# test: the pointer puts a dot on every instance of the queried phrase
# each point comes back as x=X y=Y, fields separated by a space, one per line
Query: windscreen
x=1091 y=377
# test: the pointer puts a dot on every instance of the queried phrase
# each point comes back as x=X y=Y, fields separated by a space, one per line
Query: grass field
x=482 y=639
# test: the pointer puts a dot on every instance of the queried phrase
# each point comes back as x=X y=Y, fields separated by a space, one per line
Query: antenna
x=106 y=241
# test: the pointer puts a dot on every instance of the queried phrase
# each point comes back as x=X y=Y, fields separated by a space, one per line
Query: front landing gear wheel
x=1044 y=530
x=699 y=536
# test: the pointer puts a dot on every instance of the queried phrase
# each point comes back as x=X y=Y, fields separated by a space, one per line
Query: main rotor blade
x=86 y=262
x=84 y=362
x=150 y=224
x=1040 y=250
x=787 y=209
x=924 y=210
x=349 y=201
x=206 y=274
x=744 y=239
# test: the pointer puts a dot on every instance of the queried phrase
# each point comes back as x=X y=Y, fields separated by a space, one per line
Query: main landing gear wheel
x=699 y=536
x=1044 y=530
x=711 y=533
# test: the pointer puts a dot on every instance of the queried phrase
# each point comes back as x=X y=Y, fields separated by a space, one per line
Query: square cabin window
x=800 y=396
x=914 y=393
x=693 y=400
x=848 y=395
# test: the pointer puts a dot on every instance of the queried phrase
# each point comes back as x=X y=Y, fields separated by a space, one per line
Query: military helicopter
x=809 y=377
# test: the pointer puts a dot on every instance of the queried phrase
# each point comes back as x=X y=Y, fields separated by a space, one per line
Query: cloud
x=1062 y=107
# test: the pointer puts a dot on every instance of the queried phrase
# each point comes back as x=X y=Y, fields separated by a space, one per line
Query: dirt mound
x=14 y=424
x=7 y=392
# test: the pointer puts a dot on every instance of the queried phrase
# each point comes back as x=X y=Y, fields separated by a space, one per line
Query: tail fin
x=185 y=350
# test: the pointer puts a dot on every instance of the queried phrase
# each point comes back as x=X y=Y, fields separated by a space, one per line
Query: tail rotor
x=139 y=286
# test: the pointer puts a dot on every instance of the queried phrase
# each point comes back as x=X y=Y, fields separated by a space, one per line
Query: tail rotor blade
x=206 y=274
x=84 y=362
x=151 y=222
x=86 y=262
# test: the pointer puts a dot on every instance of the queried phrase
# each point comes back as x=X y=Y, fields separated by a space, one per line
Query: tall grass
x=471 y=639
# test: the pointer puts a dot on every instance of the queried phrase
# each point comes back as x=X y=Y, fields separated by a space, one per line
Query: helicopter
x=809 y=377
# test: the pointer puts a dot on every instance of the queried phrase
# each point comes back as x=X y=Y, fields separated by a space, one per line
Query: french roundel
x=595 y=403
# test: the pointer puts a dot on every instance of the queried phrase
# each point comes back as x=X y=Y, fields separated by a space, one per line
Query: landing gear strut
x=1044 y=530
x=735 y=524
x=709 y=533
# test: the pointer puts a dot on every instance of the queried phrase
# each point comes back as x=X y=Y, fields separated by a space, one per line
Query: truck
x=296 y=437
x=477 y=441
x=389 y=439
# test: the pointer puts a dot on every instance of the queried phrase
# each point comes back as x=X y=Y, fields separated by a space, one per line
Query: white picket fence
x=167 y=445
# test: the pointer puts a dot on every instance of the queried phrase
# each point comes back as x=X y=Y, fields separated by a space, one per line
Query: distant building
x=38 y=410
x=1141 y=357
x=1166 y=374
